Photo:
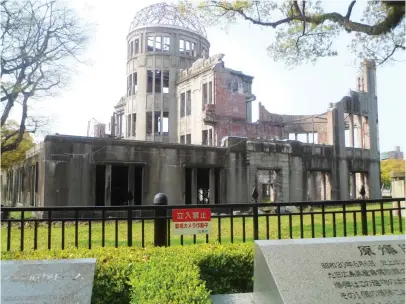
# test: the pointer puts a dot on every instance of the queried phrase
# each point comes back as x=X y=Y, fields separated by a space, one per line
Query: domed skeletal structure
x=167 y=14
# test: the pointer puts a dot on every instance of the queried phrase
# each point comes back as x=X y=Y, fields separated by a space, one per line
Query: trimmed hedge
x=161 y=275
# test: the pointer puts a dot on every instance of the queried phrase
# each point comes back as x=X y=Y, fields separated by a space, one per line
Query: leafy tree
x=388 y=166
x=305 y=32
x=41 y=41
x=10 y=157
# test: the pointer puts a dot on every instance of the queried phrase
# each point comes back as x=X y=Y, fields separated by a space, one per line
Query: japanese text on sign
x=191 y=221
x=381 y=275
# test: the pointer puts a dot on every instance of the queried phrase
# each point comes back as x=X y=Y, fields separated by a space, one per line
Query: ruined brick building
x=185 y=128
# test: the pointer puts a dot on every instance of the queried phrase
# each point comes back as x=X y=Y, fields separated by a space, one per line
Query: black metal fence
x=147 y=225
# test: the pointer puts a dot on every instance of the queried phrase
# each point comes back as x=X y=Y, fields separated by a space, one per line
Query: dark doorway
x=100 y=184
x=203 y=185
x=188 y=186
x=218 y=185
x=138 y=186
x=119 y=185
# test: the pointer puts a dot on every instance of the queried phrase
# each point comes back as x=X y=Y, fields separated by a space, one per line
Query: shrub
x=161 y=275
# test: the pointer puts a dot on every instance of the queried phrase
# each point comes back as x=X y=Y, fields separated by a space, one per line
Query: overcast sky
x=306 y=89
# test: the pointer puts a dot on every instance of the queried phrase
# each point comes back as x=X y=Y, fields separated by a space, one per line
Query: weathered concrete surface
x=68 y=170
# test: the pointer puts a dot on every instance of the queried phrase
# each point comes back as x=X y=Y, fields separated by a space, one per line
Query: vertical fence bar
x=63 y=235
x=364 y=219
x=354 y=216
x=77 y=228
x=243 y=229
x=143 y=233
x=345 y=219
x=35 y=235
x=400 y=216
x=382 y=219
x=219 y=228
x=169 y=232
x=323 y=219
x=22 y=232
x=232 y=225
x=255 y=222
x=290 y=226
x=116 y=233
x=129 y=228
x=373 y=223
x=267 y=227
x=8 y=234
x=279 y=222
x=207 y=238
x=312 y=223
x=90 y=234
x=301 y=221
x=391 y=221
x=334 y=225
x=49 y=228
x=103 y=228
x=194 y=238
x=181 y=239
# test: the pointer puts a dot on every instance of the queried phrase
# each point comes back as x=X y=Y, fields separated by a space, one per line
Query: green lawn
x=290 y=227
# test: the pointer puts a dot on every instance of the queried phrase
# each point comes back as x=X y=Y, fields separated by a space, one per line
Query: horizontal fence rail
x=33 y=228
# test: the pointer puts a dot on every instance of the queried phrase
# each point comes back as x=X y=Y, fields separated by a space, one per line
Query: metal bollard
x=160 y=222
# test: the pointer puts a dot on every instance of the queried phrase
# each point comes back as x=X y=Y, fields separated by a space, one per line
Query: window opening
x=158 y=44
x=188 y=103
x=210 y=92
x=204 y=137
x=188 y=48
x=188 y=139
x=204 y=94
x=158 y=81
x=136 y=46
x=165 y=88
x=182 y=105
x=135 y=85
x=150 y=46
x=193 y=47
x=181 y=45
x=167 y=43
x=149 y=123
x=134 y=120
x=150 y=76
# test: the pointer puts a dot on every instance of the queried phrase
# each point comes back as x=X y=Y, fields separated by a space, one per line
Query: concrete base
x=236 y=298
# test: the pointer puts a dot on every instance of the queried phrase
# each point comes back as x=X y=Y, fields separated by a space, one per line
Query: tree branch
x=350 y=10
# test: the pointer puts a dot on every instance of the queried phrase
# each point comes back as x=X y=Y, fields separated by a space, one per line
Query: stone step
x=236 y=298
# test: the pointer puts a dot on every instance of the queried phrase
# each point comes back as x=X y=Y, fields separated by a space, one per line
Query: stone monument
x=47 y=281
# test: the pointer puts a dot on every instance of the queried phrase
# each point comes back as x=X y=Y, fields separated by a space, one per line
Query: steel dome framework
x=168 y=14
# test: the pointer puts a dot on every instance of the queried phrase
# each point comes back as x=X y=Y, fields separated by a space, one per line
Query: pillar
x=295 y=136
x=212 y=186
x=194 y=186
x=313 y=186
x=307 y=137
x=323 y=186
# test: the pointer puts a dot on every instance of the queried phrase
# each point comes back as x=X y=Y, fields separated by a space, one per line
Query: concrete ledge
x=236 y=298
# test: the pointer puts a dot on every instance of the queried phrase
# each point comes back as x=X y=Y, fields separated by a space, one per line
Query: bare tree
x=305 y=32
x=41 y=42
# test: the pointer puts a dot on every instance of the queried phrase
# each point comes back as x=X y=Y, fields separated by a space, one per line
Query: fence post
x=129 y=227
x=364 y=220
x=255 y=213
x=160 y=226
